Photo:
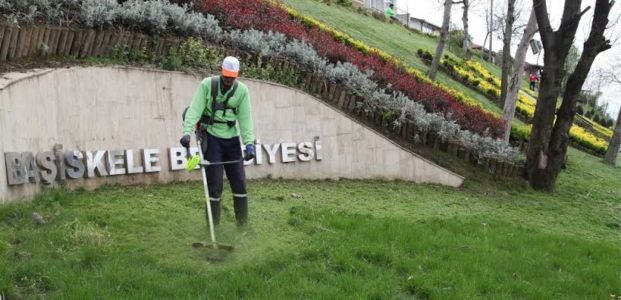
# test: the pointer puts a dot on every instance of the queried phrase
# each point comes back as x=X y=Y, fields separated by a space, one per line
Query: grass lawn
x=324 y=239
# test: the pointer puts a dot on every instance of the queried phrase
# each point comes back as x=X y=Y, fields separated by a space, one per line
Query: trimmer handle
x=207 y=163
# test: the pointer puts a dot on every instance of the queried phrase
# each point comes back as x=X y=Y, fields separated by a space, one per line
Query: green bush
x=269 y=73
x=424 y=54
x=492 y=92
x=172 y=62
x=345 y=3
x=520 y=133
x=193 y=53
x=125 y=54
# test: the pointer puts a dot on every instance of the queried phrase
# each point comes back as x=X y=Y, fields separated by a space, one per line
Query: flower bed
x=478 y=78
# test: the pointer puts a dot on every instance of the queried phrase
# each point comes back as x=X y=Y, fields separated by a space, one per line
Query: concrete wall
x=112 y=108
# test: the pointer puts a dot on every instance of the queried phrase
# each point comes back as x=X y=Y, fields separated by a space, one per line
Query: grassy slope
x=395 y=40
x=324 y=239
x=391 y=38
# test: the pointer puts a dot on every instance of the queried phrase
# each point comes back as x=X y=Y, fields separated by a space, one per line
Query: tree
x=570 y=63
x=518 y=67
x=611 y=75
x=615 y=144
x=506 y=49
x=549 y=137
x=466 y=43
x=433 y=71
x=491 y=29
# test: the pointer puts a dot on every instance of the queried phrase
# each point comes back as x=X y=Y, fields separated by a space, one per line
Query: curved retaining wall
x=92 y=126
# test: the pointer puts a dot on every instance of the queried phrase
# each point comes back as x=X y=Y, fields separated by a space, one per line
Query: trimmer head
x=193 y=161
x=213 y=252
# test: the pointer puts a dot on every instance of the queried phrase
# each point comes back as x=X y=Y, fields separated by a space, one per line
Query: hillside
x=403 y=43
x=392 y=38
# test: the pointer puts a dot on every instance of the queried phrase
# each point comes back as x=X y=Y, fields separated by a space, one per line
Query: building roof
x=426 y=23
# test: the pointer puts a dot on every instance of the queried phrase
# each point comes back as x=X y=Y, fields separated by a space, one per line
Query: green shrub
x=172 y=62
x=346 y=3
x=123 y=53
x=520 y=133
x=193 y=53
x=492 y=92
x=425 y=55
x=269 y=73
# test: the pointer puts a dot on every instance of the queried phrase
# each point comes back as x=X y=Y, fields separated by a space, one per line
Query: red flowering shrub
x=246 y=14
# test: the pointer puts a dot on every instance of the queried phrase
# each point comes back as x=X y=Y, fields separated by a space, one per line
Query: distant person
x=533 y=78
x=390 y=12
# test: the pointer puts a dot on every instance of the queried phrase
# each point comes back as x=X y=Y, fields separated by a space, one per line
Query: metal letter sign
x=15 y=168
x=49 y=166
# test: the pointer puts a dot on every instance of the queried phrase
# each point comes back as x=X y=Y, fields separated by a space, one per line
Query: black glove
x=185 y=141
x=249 y=152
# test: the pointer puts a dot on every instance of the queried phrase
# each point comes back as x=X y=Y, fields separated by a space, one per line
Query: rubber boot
x=215 y=212
x=240 y=205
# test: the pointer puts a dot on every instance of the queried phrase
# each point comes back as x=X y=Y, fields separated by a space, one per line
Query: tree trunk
x=615 y=144
x=466 y=43
x=538 y=152
x=518 y=69
x=483 y=47
x=548 y=143
x=506 y=50
x=556 y=46
x=442 y=42
x=491 y=30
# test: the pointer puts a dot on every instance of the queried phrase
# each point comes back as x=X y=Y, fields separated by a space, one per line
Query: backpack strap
x=228 y=97
x=221 y=106
x=214 y=95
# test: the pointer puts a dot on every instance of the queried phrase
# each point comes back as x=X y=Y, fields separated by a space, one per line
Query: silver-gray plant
x=99 y=12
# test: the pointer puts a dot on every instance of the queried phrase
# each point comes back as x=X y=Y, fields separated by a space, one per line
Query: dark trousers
x=532 y=85
x=219 y=150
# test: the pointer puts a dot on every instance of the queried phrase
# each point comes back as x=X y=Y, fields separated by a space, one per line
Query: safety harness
x=223 y=106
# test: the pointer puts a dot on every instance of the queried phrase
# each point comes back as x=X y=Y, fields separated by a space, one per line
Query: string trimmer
x=192 y=162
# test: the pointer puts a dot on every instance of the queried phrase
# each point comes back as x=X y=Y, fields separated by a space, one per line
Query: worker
x=222 y=110
x=390 y=12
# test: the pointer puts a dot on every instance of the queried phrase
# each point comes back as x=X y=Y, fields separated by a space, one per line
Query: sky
x=431 y=10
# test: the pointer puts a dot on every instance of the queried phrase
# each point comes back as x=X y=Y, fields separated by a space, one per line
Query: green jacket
x=389 y=12
x=201 y=105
